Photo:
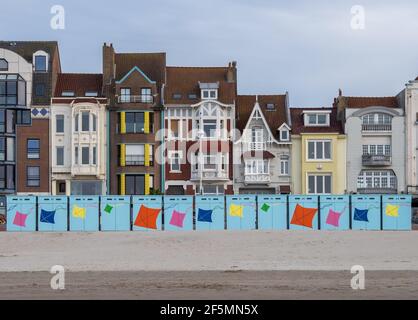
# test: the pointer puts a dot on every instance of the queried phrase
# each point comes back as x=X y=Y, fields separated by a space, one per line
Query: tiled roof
x=26 y=49
x=363 y=102
x=185 y=81
x=299 y=127
x=245 y=105
x=151 y=64
x=79 y=83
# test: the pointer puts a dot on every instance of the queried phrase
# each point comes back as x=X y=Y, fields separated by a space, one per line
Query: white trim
x=316 y=175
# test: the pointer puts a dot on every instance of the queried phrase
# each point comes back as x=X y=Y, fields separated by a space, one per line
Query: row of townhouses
x=142 y=127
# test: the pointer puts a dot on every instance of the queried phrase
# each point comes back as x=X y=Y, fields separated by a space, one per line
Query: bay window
x=12 y=90
x=256 y=167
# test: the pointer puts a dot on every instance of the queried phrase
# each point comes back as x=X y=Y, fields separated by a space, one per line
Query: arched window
x=40 y=61
x=377 y=118
x=4 y=65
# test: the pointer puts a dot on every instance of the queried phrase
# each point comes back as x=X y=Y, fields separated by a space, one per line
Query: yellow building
x=318 y=152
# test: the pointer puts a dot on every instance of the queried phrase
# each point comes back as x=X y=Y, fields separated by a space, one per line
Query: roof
x=79 y=83
x=151 y=64
x=364 y=102
x=299 y=127
x=26 y=49
x=185 y=81
x=245 y=105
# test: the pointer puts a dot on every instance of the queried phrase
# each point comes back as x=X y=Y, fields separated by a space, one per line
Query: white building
x=78 y=126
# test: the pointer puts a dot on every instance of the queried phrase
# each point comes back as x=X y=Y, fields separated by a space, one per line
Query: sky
x=308 y=48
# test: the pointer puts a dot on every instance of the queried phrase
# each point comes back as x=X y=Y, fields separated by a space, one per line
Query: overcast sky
x=305 y=47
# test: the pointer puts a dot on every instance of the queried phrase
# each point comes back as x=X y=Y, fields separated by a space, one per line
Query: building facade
x=79 y=144
x=375 y=130
x=134 y=83
x=408 y=100
x=318 y=152
x=262 y=149
x=28 y=75
x=200 y=123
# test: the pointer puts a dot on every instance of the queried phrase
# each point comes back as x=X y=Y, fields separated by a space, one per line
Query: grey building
x=263 y=149
x=375 y=129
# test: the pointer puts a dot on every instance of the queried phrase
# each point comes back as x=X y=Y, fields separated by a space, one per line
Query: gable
x=135 y=71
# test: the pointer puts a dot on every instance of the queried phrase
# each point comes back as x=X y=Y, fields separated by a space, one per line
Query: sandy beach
x=209 y=265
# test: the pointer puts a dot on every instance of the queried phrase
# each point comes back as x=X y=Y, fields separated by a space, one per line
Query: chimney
x=231 y=75
x=108 y=66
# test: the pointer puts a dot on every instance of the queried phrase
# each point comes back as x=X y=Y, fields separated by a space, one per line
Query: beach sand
x=209 y=265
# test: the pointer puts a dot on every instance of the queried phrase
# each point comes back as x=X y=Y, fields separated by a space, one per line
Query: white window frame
x=315 y=159
x=252 y=167
x=213 y=162
x=307 y=116
x=175 y=155
x=212 y=94
x=287 y=135
x=41 y=54
x=368 y=149
x=284 y=167
x=316 y=176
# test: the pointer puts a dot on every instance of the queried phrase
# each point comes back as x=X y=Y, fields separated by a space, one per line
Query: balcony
x=210 y=175
x=376 y=128
x=262 y=178
x=148 y=99
x=376 y=160
x=258 y=146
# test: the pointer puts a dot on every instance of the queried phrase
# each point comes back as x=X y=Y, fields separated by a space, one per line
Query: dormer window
x=40 y=60
x=68 y=93
x=4 y=65
x=284 y=135
x=317 y=119
x=270 y=107
x=209 y=94
x=91 y=94
x=177 y=96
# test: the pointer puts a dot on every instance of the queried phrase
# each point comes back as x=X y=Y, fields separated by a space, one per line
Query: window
x=256 y=167
x=23 y=117
x=284 y=166
x=319 y=184
x=146 y=95
x=317 y=119
x=33 y=177
x=76 y=155
x=209 y=162
x=4 y=65
x=135 y=184
x=12 y=90
x=10 y=121
x=384 y=179
x=40 y=63
x=87 y=188
x=40 y=90
x=59 y=123
x=377 y=118
x=95 y=155
x=7 y=149
x=209 y=189
x=60 y=156
x=33 y=148
x=211 y=94
x=319 y=150
x=209 y=127
x=85 y=121
x=377 y=150
x=257 y=138
x=94 y=120
x=7 y=177
x=271 y=107
x=125 y=95
x=76 y=119
x=284 y=135
x=85 y=156
x=135 y=155
x=175 y=161
x=192 y=96
x=177 y=96
x=174 y=126
x=135 y=122
x=2 y=120
x=67 y=93
x=91 y=94
x=61 y=187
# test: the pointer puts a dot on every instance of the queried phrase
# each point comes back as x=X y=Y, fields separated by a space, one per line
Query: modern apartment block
x=78 y=124
x=262 y=151
x=200 y=122
x=318 y=152
x=375 y=130
x=28 y=74
x=133 y=83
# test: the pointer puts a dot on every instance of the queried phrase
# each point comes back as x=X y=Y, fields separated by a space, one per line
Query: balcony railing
x=209 y=175
x=376 y=128
x=258 y=146
x=376 y=160
x=135 y=160
x=374 y=190
x=136 y=99
x=262 y=178
x=135 y=128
